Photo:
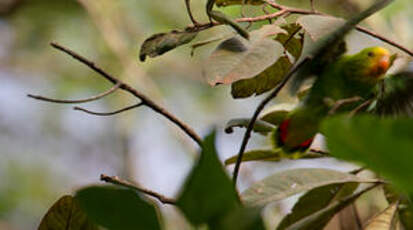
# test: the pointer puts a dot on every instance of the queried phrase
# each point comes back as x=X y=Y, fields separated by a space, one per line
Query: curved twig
x=110 y=113
x=146 y=100
x=115 y=180
x=257 y=112
x=89 y=99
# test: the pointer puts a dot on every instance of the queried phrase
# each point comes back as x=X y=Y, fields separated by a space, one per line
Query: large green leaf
x=161 y=43
x=277 y=113
x=117 y=208
x=241 y=219
x=66 y=214
x=316 y=200
x=287 y=183
x=384 y=145
x=269 y=79
x=319 y=219
x=318 y=26
x=237 y=58
x=386 y=220
x=208 y=193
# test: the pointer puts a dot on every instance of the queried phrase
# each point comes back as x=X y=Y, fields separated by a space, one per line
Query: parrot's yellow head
x=375 y=61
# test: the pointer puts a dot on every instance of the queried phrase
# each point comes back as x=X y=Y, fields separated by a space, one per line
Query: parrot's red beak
x=383 y=65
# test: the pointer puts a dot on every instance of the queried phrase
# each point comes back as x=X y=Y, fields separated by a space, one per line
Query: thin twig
x=146 y=100
x=110 y=113
x=257 y=112
x=94 y=98
x=360 y=107
x=115 y=180
x=339 y=103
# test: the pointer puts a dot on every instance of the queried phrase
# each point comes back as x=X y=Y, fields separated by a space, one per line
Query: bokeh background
x=48 y=150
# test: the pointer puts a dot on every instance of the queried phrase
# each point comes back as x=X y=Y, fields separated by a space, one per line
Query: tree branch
x=257 y=112
x=110 y=113
x=146 y=100
x=115 y=180
x=94 y=98
x=285 y=10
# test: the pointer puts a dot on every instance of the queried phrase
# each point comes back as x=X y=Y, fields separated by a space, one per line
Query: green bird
x=341 y=86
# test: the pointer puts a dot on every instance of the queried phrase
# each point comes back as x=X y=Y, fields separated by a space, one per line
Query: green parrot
x=350 y=78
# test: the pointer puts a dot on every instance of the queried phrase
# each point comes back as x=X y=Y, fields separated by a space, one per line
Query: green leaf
x=269 y=155
x=66 y=214
x=328 y=48
x=241 y=219
x=316 y=200
x=256 y=155
x=263 y=82
x=277 y=113
x=386 y=220
x=237 y=58
x=383 y=145
x=317 y=220
x=208 y=193
x=117 y=208
x=270 y=78
x=287 y=183
x=161 y=43
x=260 y=127
x=220 y=3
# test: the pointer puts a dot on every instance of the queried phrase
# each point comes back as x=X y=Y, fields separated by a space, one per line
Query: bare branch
x=257 y=112
x=340 y=103
x=110 y=113
x=146 y=100
x=115 y=180
x=94 y=98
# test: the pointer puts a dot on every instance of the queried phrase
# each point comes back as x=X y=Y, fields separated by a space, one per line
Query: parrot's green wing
x=330 y=47
x=395 y=96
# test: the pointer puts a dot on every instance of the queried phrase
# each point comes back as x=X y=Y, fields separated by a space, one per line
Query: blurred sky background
x=48 y=150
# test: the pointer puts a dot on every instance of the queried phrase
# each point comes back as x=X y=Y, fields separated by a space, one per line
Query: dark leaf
x=241 y=219
x=66 y=214
x=208 y=193
x=317 y=220
x=159 y=44
x=117 y=208
x=316 y=200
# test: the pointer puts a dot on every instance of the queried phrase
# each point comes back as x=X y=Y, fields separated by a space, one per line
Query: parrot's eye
x=371 y=54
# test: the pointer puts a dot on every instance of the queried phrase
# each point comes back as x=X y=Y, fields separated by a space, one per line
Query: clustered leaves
x=255 y=62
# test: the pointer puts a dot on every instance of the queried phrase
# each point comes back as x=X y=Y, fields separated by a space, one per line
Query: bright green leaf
x=117 y=208
x=66 y=214
x=277 y=113
x=384 y=145
x=208 y=193
x=161 y=43
x=237 y=58
x=316 y=200
x=287 y=183
x=386 y=220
